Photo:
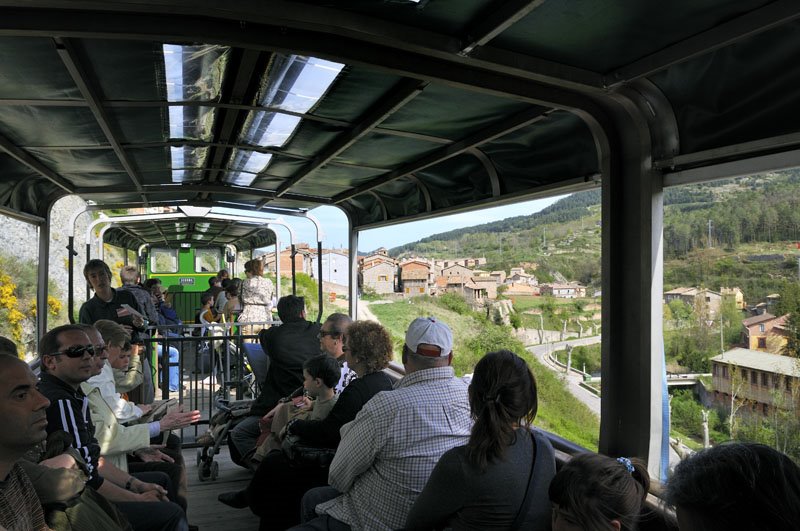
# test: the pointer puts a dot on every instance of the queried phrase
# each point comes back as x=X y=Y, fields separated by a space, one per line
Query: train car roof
x=195 y=231
x=392 y=110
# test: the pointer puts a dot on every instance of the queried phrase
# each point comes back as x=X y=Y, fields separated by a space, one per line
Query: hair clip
x=627 y=462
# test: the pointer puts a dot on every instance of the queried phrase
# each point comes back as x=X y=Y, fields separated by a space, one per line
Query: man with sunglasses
x=331 y=341
x=67 y=360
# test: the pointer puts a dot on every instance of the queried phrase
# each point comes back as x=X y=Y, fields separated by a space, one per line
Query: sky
x=334 y=224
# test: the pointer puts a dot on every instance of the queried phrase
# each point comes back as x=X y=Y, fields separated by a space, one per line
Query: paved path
x=364 y=313
x=542 y=353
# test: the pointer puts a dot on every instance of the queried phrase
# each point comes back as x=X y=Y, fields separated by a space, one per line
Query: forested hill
x=565 y=236
x=569 y=208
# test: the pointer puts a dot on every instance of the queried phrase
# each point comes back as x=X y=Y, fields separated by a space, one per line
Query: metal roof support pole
x=294 y=270
x=44 y=275
x=632 y=412
x=101 y=252
x=277 y=266
x=71 y=254
x=88 y=257
x=352 y=271
x=319 y=280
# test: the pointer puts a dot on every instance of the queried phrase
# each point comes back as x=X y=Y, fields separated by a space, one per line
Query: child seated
x=594 y=491
x=320 y=376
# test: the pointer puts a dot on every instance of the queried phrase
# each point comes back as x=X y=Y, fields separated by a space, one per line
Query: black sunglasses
x=76 y=352
x=323 y=333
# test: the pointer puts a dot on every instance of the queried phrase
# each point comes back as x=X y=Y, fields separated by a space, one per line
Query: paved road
x=573 y=379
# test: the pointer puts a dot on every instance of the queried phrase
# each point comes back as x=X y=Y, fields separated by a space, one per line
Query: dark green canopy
x=391 y=110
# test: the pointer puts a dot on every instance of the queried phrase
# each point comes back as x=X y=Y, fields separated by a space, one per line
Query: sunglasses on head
x=76 y=352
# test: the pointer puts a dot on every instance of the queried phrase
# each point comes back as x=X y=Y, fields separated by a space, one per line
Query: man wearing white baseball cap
x=388 y=452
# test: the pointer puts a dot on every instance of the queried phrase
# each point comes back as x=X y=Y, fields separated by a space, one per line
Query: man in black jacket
x=287 y=346
x=66 y=361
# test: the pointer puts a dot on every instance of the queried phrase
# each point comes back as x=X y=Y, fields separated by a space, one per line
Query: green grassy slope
x=559 y=411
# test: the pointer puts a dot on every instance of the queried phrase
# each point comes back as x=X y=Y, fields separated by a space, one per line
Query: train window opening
x=207 y=260
x=164 y=261
x=731 y=271
x=531 y=285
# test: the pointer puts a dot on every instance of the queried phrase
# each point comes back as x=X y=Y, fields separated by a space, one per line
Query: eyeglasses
x=323 y=333
x=98 y=349
x=77 y=351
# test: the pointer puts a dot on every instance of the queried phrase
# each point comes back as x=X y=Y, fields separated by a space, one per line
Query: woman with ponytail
x=594 y=492
x=499 y=479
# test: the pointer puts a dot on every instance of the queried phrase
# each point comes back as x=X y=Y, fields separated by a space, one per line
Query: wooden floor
x=204 y=510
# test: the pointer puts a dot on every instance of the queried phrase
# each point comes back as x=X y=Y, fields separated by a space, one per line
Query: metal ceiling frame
x=78 y=71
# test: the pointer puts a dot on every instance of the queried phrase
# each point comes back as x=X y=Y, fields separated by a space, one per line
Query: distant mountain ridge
x=565 y=237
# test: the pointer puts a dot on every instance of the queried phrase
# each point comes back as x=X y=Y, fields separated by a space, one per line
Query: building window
x=765 y=408
x=725 y=371
x=775 y=381
x=762 y=342
x=714 y=370
x=383 y=278
x=788 y=381
x=754 y=377
x=761 y=328
x=744 y=375
x=422 y=290
x=764 y=379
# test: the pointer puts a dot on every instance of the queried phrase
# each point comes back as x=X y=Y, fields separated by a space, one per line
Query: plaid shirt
x=388 y=452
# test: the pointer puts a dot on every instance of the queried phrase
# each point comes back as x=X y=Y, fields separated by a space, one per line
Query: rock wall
x=21 y=241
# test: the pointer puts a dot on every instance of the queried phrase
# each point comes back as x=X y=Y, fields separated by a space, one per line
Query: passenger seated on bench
x=594 y=491
x=388 y=452
x=320 y=375
x=736 y=486
x=129 y=447
x=288 y=346
x=207 y=315
x=499 y=479
x=275 y=491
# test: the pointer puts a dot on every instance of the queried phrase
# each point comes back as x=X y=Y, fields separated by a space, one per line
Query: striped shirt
x=388 y=452
x=20 y=509
x=69 y=412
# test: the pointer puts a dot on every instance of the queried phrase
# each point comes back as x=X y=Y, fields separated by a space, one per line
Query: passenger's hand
x=270 y=414
x=149 y=489
x=153 y=454
x=305 y=403
x=178 y=418
x=145 y=408
x=60 y=461
x=151 y=496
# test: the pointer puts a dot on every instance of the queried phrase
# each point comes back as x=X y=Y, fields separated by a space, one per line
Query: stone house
x=563 y=291
x=379 y=275
x=414 y=277
x=765 y=332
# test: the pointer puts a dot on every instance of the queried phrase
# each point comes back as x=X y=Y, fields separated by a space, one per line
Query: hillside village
x=381 y=274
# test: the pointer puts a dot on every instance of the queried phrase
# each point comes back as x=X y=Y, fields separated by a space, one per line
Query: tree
x=792 y=327
x=790 y=303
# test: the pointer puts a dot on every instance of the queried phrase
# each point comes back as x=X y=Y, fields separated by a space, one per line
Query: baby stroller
x=228 y=415
x=224 y=420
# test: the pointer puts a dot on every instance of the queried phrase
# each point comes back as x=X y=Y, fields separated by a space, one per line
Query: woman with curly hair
x=275 y=491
